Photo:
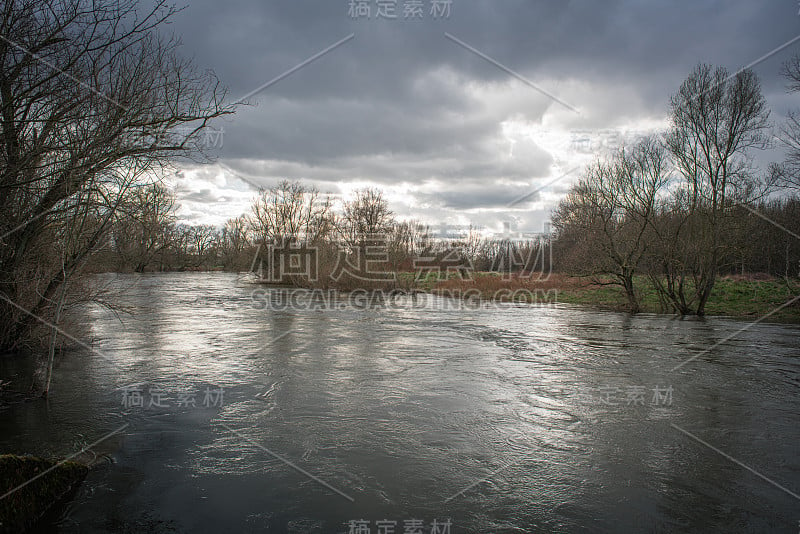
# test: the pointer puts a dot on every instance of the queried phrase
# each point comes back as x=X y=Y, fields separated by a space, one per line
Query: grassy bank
x=749 y=296
x=737 y=296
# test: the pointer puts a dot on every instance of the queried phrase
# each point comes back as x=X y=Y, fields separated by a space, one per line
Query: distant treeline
x=363 y=234
x=145 y=237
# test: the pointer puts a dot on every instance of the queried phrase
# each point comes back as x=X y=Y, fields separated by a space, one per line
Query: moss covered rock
x=48 y=484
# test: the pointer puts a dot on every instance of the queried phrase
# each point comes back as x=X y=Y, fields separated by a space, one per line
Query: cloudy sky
x=426 y=108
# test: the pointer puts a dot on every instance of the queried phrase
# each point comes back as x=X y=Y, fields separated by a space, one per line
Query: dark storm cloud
x=400 y=103
x=248 y=42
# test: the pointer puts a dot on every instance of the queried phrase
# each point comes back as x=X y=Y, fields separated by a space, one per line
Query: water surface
x=500 y=418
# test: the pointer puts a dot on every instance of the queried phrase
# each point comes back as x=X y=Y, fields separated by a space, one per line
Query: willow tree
x=91 y=97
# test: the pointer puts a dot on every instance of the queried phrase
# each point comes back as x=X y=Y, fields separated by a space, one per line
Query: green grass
x=754 y=298
x=736 y=298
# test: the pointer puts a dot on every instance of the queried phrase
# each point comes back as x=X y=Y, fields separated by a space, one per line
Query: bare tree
x=407 y=240
x=235 y=234
x=367 y=214
x=141 y=231
x=716 y=120
x=609 y=213
x=202 y=240
x=90 y=97
x=787 y=173
x=291 y=211
x=234 y=241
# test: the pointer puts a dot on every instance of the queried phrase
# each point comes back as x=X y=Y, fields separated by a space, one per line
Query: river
x=244 y=416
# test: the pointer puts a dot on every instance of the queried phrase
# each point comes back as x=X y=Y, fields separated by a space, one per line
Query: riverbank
x=739 y=296
x=39 y=487
x=735 y=296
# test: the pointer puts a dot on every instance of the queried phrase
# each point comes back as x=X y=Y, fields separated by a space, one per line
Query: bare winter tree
x=91 y=95
x=788 y=172
x=609 y=214
x=716 y=119
x=290 y=211
x=141 y=231
x=367 y=214
x=234 y=241
x=201 y=243
x=407 y=240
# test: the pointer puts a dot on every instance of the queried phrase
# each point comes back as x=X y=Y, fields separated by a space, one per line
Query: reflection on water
x=496 y=419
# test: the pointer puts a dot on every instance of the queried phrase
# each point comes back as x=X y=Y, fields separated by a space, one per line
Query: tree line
x=145 y=236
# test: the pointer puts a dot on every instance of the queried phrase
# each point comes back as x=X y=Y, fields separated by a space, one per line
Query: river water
x=247 y=416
